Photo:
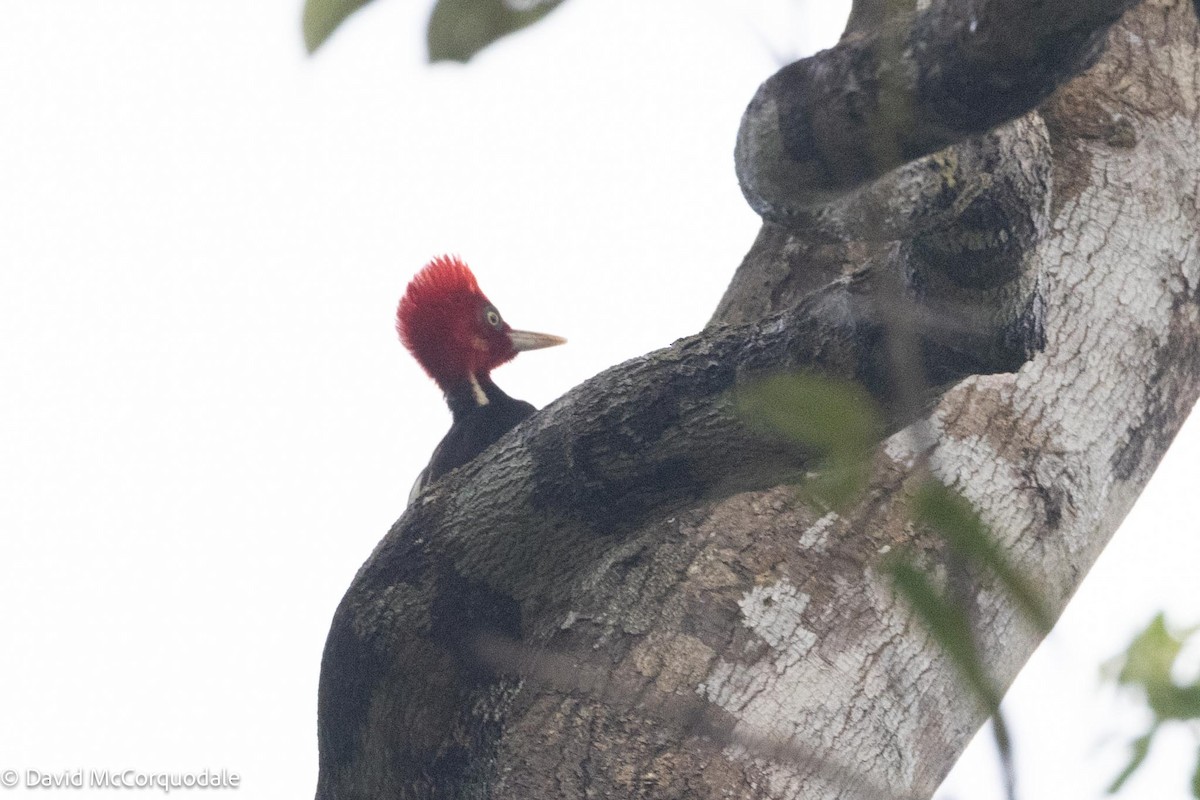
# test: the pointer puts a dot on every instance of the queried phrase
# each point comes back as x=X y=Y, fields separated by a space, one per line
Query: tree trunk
x=626 y=597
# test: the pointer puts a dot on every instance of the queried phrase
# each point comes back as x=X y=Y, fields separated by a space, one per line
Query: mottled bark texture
x=626 y=597
x=917 y=83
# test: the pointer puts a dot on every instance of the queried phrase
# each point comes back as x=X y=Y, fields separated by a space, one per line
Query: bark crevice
x=625 y=596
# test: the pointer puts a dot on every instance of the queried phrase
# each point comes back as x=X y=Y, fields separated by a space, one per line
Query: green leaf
x=951 y=629
x=949 y=626
x=828 y=415
x=1150 y=656
x=838 y=485
x=1176 y=702
x=458 y=29
x=1147 y=664
x=835 y=419
x=954 y=518
x=1141 y=748
x=322 y=17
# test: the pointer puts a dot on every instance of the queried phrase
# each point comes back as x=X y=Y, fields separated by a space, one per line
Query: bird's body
x=458 y=337
x=475 y=428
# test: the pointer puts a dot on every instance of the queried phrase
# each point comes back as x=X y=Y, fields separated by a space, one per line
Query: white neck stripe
x=481 y=398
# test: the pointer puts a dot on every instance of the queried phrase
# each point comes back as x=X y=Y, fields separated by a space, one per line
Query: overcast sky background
x=206 y=422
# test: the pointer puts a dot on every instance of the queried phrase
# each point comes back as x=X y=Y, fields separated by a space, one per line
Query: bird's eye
x=493 y=318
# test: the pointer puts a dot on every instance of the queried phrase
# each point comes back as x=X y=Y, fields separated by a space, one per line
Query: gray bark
x=625 y=597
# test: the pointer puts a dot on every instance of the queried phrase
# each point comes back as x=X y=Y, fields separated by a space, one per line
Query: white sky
x=206 y=422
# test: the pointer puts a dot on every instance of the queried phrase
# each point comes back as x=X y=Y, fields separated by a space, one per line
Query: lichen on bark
x=627 y=597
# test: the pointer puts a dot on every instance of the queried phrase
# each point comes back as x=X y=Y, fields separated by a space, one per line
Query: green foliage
x=840 y=423
x=458 y=29
x=949 y=626
x=835 y=419
x=1141 y=749
x=826 y=414
x=322 y=17
x=947 y=623
x=1146 y=666
x=956 y=521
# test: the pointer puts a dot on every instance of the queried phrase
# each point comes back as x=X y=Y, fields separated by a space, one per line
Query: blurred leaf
x=951 y=629
x=836 y=419
x=954 y=518
x=823 y=413
x=322 y=17
x=838 y=485
x=458 y=29
x=1008 y=767
x=949 y=626
x=1149 y=658
x=1175 y=702
x=1141 y=747
x=1147 y=664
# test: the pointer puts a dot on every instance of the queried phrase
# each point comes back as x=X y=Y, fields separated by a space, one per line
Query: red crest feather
x=442 y=277
x=434 y=317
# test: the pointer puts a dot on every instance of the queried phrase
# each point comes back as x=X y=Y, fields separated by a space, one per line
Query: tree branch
x=734 y=640
x=512 y=531
x=869 y=15
x=828 y=124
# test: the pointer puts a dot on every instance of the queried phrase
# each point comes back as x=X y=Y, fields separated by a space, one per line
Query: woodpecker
x=458 y=337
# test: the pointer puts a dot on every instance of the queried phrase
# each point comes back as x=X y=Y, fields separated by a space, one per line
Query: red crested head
x=453 y=330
